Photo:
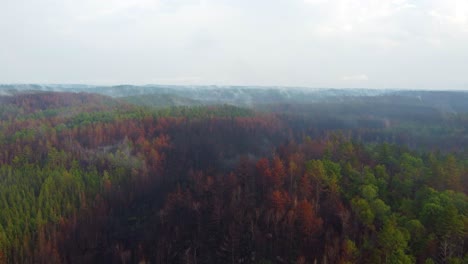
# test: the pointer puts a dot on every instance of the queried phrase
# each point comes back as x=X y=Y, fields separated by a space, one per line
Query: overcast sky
x=311 y=43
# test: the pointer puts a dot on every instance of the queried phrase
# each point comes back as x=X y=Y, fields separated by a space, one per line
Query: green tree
x=393 y=243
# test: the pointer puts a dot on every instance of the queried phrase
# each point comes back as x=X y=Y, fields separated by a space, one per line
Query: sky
x=419 y=44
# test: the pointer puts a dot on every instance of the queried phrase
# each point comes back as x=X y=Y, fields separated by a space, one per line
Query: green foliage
x=363 y=211
x=440 y=214
x=393 y=243
x=369 y=192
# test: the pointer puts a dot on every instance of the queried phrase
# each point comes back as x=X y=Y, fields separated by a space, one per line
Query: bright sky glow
x=311 y=43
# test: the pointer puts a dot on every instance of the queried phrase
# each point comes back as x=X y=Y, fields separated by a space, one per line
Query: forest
x=349 y=178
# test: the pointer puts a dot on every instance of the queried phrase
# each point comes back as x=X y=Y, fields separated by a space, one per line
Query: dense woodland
x=86 y=178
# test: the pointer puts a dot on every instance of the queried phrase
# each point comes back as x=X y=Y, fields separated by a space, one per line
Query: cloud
x=89 y=10
x=455 y=19
x=315 y=2
x=399 y=43
x=362 y=17
x=356 y=77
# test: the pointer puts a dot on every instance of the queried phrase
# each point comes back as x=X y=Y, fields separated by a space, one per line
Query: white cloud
x=315 y=2
x=365 y=17
x=356 y=77
x=399 y=43
x=456 y=19
x=88 y=10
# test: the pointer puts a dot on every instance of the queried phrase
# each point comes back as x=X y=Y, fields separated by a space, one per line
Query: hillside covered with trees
x=87 y=178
